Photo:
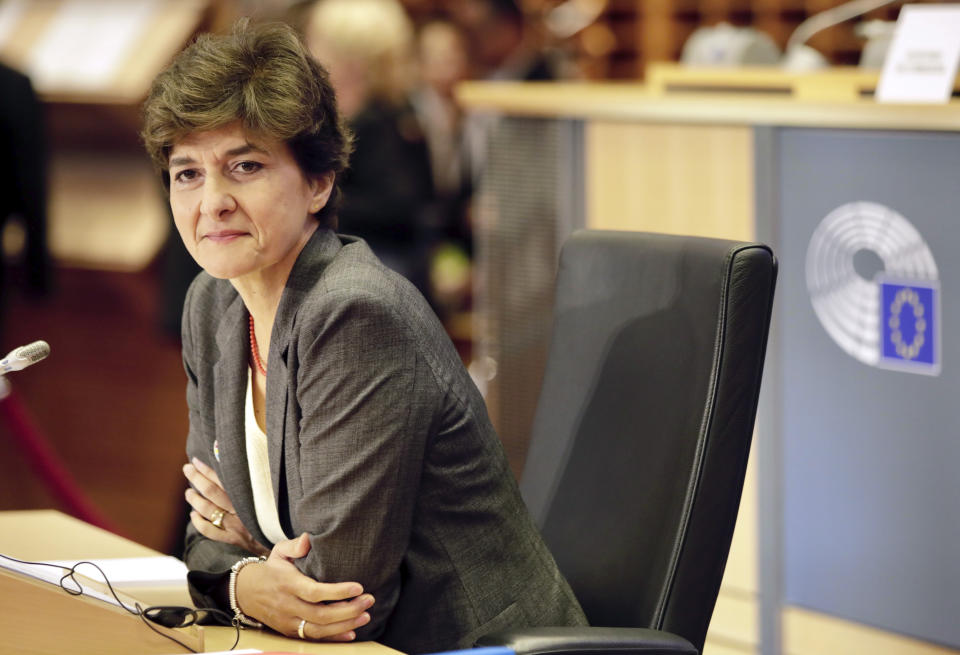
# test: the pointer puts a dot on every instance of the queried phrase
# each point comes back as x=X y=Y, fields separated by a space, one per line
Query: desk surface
x=48 y=534
x=629 y=101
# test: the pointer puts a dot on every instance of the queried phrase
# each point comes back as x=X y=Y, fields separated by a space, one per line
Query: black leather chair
x=642 y=432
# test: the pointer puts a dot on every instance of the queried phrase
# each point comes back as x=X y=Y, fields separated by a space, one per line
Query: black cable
x=190 y=616
x=171 y=637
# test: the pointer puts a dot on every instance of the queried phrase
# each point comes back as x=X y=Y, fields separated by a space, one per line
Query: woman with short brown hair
x=345 y=479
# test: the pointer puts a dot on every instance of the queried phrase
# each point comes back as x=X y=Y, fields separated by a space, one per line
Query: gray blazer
x=380 y=449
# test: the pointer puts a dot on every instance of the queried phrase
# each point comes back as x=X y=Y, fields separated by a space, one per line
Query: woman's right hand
x=207 y=498
x=276 y=593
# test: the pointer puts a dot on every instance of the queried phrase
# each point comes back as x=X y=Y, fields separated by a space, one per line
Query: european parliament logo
x=873 y=285
x=910 y=325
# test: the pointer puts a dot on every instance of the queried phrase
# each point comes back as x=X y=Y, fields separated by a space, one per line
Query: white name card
x=921 y=64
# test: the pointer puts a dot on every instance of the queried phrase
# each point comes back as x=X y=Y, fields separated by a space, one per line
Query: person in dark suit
x=346 y=482
x=389 y=199
x=501 y=43
x=23 y=173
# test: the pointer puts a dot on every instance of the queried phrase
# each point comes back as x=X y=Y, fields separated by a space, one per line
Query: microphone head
x=24 y=356
x=33 y=352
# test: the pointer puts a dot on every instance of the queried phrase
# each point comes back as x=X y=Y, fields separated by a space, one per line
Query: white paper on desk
x=53 y=575
x=921 y=64
x=86 y=41
x=125 y=572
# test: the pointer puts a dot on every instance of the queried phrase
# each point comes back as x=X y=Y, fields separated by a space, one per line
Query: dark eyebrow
x=245 y=148
x=233 y=152
x=180 y=161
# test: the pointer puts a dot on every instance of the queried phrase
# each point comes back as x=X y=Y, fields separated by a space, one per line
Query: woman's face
x=241 y=203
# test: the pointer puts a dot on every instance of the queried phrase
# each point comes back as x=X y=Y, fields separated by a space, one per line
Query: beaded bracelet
x=238 y=616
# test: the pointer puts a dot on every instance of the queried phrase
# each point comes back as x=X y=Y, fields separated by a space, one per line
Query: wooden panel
x=219 y=639
x=107 y=211
x=680 y=179
x=614 y=101
x=687 y=180
x=735 y=626
x=86 y=625
x=741 y=575
x=735 y=623
x=716 y=648
x=81 y=625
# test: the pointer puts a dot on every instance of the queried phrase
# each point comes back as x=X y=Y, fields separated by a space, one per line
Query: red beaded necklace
x=255 y=350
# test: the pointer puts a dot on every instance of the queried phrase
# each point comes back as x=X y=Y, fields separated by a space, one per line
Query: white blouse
x=264 y=502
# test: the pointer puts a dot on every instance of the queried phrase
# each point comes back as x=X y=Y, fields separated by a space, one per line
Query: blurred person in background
x=504 y=45
x=345 y=479
x=443 y=62
x=23 y=177
x=367 y=45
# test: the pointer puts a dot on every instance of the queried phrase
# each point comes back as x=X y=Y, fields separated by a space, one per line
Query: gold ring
x=217 y=518
x=303 y=622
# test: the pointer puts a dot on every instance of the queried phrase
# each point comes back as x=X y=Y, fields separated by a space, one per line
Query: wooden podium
x=39 y=618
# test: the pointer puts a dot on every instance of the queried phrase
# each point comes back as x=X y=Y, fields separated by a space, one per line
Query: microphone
x=798 y=56
x=22 y=357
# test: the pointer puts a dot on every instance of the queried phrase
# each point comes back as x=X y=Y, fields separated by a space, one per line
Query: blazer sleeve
x=366 y=414
x=209 y=561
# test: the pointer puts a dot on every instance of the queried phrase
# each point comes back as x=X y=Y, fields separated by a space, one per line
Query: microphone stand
x=828 y=18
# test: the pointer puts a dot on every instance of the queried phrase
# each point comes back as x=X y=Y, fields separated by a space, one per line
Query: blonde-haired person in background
x=367 y=45
x=345 y=479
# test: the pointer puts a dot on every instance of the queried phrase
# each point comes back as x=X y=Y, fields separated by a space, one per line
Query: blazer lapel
x=230 y=378
x=276 y=407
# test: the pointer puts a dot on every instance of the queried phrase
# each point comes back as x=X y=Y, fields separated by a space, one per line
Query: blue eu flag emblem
x=910 y=325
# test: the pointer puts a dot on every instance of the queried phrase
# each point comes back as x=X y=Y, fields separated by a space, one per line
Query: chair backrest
x=645 y=418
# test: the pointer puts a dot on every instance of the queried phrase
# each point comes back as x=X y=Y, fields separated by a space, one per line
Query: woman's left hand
x=211 y=506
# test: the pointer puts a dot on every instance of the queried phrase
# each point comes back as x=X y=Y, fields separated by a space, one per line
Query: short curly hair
x=263 y=76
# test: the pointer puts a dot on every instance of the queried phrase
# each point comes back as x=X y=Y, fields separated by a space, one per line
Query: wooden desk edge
x=631 y=101
x=21 y=529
